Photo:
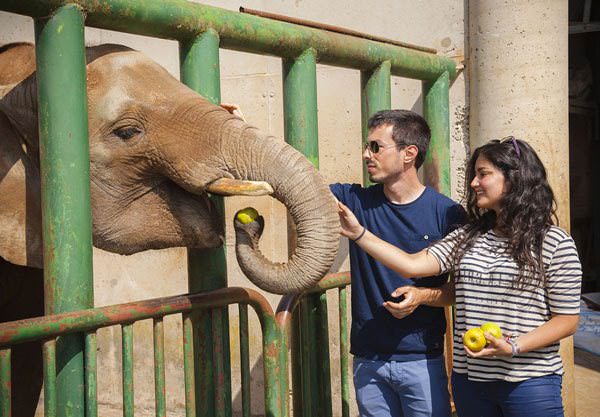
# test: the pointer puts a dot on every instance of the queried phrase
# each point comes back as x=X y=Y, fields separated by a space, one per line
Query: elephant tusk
x=227 y=186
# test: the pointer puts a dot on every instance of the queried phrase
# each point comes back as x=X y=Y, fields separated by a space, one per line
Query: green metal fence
x=201 y=30
x=50 y=328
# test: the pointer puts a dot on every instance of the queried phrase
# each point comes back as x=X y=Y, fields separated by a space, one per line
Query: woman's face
x=489 y=185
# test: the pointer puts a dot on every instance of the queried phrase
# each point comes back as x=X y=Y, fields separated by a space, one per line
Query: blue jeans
x=401 y=389
x=535 y=397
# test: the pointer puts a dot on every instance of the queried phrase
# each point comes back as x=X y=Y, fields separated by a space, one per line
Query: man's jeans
x=401 y=389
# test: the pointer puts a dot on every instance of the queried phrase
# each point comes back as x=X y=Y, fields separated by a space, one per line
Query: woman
x=512 y=266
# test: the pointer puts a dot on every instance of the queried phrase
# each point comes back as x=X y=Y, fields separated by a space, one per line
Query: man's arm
x=416 y=296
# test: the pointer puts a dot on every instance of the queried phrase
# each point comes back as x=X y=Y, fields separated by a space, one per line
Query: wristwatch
x=514 y=345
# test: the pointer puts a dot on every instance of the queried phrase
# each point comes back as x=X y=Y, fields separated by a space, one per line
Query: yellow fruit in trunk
x=247 y=215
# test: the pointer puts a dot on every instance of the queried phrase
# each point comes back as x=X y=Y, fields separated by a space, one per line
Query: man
x=398 y=360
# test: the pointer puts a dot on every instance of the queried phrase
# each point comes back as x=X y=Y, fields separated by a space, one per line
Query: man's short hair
x=409 y=128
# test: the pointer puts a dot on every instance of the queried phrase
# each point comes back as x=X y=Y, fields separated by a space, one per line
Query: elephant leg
x=22 y=296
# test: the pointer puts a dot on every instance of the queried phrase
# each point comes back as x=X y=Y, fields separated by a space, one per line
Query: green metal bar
x=207 y=269
x=344 y=349
x=127 y=364
x=222 y=403
x=65 y=185
x=296 y=363
x=50 y=394
x=324 y=365
x=180 y=19
x=301 y=131
x=375 y=96
x=272 y=348
x=244 y=359
x=91 y=384
x=5 y=383
x=300 y=104
x=188 y=366
x=160 y=392
x=436 y=112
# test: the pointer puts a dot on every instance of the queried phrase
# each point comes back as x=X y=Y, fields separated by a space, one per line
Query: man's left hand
x=412 y=300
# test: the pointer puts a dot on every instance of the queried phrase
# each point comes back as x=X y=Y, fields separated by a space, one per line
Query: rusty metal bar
x=222 y=403
x=21 y=331
x=181 y=20
x=160 y=392
x=50 y=400
x=188 y=366
x=244 y=359
x=336 y=29
x=91 y=383
x=344 y=349
x=5 y=383
x=127 y=369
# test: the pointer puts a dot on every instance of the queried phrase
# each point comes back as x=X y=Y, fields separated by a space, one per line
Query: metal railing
x=50 y=329
x=201 y=30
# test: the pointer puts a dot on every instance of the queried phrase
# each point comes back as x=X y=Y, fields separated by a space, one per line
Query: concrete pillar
x=518 y=85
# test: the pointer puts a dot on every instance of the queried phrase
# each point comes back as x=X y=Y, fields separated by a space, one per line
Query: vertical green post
x=344 y=350
x=5 y=383
x=207 y=269
x=301 y=131
x=65 y=183
x=375 y=96
x=91 y=372
x=436 y=112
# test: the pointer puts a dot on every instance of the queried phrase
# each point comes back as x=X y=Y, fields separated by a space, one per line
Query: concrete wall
x=254 y=82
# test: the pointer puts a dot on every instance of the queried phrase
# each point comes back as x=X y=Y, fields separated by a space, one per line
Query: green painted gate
x=201 y=30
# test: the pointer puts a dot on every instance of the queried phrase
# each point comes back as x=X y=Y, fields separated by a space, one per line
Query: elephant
x=157 y=149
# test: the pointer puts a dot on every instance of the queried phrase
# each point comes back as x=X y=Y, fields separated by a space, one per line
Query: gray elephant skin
x=156 y=147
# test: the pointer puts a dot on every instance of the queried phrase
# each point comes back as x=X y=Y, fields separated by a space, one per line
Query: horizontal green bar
x=21 y=331
x=181 y=20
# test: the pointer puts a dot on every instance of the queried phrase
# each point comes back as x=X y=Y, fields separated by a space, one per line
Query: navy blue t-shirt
x=375 y=333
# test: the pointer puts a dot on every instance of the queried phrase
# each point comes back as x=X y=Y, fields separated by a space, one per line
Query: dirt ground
x=587 y=384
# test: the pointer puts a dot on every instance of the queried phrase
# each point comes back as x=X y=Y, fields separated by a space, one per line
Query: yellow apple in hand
x=493 y=329
x=474 y=339
x=247 y=215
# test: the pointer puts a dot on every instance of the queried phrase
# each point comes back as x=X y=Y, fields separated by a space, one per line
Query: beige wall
x=254 y=83
x=518 y=85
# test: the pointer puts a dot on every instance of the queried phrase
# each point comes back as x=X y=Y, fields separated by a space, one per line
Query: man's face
x=387 y=164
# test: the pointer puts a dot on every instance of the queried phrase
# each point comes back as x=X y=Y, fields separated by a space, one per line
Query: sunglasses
x=372 y=146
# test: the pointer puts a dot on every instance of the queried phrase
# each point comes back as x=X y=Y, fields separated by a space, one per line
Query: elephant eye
x=127 y=132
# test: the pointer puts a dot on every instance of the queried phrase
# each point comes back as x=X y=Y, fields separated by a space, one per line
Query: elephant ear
x=20 y=206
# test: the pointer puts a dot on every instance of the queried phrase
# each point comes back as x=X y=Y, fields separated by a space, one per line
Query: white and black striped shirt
x=484 y=292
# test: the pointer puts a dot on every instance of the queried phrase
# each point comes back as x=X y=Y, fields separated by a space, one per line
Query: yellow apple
x=493 y=329
x=247 y=215
x=474 y=339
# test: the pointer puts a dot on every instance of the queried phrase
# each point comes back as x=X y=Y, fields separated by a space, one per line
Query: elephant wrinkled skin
x=155 y=147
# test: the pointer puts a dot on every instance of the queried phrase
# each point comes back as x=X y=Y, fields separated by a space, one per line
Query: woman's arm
x=555 y=329
x=420 y=264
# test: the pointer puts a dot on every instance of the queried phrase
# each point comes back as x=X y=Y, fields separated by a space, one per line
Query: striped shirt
x=484 y=294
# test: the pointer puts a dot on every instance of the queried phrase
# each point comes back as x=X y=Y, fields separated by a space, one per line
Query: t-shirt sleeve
x=563 y=279
x=455 y=218
x=442 y=250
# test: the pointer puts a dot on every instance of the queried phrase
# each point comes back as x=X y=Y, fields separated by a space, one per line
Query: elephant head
x=156 y=149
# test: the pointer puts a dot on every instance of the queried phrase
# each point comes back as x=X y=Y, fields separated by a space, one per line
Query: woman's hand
x=495 y=347
x=351 y=228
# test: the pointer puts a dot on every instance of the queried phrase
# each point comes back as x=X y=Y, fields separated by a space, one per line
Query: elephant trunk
x=232 y=149
x=298 y=185
x=311 y=206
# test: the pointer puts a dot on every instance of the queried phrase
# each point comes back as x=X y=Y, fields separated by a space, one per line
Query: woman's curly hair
x=527 y=208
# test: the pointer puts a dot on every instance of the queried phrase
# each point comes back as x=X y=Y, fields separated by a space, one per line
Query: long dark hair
x=527 y=207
